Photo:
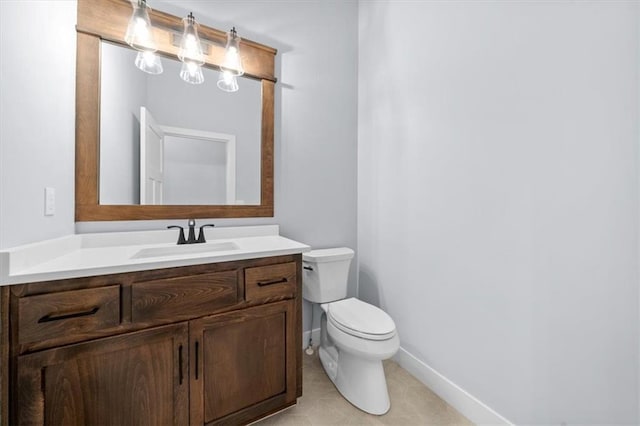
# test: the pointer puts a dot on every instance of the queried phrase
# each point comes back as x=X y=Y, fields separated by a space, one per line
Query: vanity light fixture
x=190 y=52
x=232 y=60
x=139 y=35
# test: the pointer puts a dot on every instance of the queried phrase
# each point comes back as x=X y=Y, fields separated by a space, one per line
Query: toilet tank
x=325 y=274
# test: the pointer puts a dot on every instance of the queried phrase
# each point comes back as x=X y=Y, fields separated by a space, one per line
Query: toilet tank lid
x=328 y=255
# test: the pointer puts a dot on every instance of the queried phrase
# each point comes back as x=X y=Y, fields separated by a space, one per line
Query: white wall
x=497 y=198
x=37 y=118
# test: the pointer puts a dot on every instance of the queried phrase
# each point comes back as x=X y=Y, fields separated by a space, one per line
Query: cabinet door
x=243 y=363
x=137 y=378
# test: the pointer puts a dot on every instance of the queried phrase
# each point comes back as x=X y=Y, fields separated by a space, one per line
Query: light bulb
x=191 y=72
x=228 y=82
x=190 y=42
x=141 y=26
x=139 y=34
x=149 y=62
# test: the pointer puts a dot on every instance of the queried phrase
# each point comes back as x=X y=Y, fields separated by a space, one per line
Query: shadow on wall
x=135 y=159
x=368 y=289
x=386 y=123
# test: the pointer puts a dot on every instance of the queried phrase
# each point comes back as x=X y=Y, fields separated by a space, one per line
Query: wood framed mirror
x=104 y=22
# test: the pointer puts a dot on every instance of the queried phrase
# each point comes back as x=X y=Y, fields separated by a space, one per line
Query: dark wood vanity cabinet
x=207 y=344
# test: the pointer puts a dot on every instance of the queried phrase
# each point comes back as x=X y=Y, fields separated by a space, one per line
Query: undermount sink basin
x=184 y=249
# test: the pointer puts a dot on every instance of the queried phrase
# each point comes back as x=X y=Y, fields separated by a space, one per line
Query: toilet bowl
x=352 y=354
x=355 y=336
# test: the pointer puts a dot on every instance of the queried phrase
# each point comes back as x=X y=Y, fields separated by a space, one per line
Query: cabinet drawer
x=68 y=313
x=173 y=299
x=275 y=281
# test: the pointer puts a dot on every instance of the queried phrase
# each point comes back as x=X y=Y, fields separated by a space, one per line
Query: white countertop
x=84 y=255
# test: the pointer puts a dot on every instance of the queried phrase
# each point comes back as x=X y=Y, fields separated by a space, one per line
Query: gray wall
x=498 y=198
x=315 y=123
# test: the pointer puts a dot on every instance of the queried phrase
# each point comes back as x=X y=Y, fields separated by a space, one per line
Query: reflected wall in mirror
x=166 y=142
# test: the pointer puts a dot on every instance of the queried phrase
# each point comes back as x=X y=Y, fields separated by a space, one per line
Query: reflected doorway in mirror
x=181 y=166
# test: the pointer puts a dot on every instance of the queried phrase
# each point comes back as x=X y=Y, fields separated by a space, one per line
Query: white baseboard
x=315 y=336
x=458 y=398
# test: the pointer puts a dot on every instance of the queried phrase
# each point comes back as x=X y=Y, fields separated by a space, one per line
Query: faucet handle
x=192 y=232
x=181 y=239
x=201 y=238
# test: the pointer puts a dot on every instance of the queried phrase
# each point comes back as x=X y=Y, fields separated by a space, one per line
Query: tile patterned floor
x=412 y=403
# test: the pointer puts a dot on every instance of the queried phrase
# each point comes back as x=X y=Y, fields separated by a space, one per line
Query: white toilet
x=354 y=336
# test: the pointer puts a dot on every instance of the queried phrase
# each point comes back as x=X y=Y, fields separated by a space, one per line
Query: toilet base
x=360 y=381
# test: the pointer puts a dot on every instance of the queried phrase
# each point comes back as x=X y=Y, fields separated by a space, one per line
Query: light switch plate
x=49 y=201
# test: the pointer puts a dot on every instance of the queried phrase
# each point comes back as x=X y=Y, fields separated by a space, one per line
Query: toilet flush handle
x=308 y=268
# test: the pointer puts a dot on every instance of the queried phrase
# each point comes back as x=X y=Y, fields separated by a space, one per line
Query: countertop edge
x=160 y=264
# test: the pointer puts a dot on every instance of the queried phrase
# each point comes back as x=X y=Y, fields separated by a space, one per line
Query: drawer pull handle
x=272 y=282
x=50 y=317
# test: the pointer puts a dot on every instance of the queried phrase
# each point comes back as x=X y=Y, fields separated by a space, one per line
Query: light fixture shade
x=149 y=62
x=190 y=47
x=232 y=59
x=191 y=72
x=228 y=82
x=139 y=34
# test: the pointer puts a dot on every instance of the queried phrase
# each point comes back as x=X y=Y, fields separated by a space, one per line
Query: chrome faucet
x=191 y=239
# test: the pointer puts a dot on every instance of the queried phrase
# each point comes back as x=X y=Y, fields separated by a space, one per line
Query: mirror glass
x=164 y=141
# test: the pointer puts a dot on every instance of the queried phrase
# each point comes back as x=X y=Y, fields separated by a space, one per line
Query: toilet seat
x=360 y=319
